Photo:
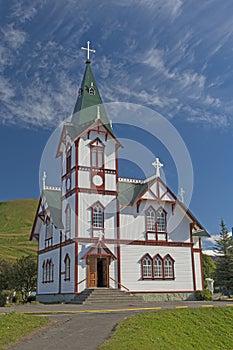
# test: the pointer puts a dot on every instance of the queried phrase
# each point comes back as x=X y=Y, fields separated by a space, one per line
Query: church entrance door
x=98 y=272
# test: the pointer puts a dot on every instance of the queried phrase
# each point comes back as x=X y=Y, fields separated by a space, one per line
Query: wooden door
x=92 y=272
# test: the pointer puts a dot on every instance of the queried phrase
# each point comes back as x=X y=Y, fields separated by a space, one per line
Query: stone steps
x=105 y=296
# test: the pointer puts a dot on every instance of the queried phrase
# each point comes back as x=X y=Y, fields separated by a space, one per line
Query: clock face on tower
x=97 y=180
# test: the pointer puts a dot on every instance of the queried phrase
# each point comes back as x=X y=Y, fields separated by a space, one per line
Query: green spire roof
x=86 y=110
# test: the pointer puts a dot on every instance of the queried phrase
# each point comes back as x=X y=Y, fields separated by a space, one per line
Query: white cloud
x=14 y=38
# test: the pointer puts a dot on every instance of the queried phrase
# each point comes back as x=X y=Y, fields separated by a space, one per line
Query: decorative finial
x=157 y=165
x=182 y=192
x=43 y=180
x=98 y=112
x=88 y=50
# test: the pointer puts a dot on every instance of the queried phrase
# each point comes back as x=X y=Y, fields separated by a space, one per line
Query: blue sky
x=173 y=56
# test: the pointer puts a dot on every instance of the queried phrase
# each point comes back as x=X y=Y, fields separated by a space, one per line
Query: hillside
x=16 y=220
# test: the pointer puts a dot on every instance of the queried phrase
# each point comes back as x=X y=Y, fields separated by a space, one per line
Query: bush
x=202 y=295
x=31 y=298
x=2 y=300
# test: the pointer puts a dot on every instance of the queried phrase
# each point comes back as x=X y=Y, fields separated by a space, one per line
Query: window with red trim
x=150 y=220
x=158 y=267
x=68 y=222
x=48 y=232
x=168 y=267
x=161 y=220
x=97 y=154
x=67 y=267
x=97 y=216
x=156 y=226
x=47 y=271
x=147 y=267
x=68 y=159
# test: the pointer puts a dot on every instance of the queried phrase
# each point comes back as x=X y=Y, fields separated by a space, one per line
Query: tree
x=25 y=276
x=5 y=274
x=224 y=266
x=209 y=266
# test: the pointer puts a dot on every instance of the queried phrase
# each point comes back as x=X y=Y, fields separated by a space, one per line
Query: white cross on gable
x=157 y=165
x=88 y=50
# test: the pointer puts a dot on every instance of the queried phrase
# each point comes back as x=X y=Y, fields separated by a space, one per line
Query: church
x=98 y=230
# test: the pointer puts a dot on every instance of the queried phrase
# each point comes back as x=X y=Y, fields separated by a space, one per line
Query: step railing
x=118 y=283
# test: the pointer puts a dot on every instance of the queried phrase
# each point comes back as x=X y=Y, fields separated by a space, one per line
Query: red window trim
x=67 y=231
x=99 y=147
x=156 y=232
x=92 y=218
x=67 y=275
x=163 y=267
x=68 y=158
x=47 y=271
x=142 y=266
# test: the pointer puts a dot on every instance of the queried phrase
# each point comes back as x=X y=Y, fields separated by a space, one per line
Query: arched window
x=168 y=267
x=150 y=220
x=147 y=267
x=68 y=222
x=68 y=158
x=67 y=267
x=158 y=267
x=161 y=220
x=97 y=154
x=48 y=233
x=98 y=217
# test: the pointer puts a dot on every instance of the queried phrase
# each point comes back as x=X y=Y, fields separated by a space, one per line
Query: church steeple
x=85 y=110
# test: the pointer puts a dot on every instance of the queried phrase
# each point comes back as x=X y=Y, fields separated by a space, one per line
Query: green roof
x=201 y=233
x=53 y=199
x=85 y=110
x=129 y=192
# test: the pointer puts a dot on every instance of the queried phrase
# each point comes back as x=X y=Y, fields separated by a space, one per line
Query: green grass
x=16 y=220
x=209 y=329
x=13 y=326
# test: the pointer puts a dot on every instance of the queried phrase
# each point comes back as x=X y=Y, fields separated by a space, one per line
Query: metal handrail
x=119 y=284
x=81 y=281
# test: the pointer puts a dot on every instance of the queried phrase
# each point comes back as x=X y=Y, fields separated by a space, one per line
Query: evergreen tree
x=224 y=266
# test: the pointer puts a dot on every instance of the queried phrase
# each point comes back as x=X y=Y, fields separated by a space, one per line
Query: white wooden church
x=99 y=230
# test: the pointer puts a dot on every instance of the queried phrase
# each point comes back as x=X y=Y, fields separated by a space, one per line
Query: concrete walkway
x=86 y=327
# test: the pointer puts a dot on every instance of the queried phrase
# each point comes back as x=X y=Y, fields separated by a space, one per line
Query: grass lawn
x=16 y=220
x=182 y=329
x=13 y=326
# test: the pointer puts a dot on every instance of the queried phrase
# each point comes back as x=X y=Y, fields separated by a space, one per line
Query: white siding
x=85 y=224
x=197 y=264
x=68 y=286
x=132 y=274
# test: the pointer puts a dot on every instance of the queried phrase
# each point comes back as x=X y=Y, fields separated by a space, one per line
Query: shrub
x=2 y=300
x=31 y=298
x=202 y=295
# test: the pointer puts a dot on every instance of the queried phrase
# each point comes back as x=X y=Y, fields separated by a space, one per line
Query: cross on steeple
x=157 y=164
x=88 y=50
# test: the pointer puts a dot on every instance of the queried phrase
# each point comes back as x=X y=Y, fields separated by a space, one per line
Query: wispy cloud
x=13 y=37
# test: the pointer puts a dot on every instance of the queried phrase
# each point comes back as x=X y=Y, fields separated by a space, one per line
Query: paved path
x=82 y=327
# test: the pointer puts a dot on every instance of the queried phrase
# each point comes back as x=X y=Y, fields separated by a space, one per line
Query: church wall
x=82 y=266
x=110 y=182
x=85 y=214
x=133 y=224
x=71 y=201
x=131 y=276
x=68 y=286
x=84 y=151
x=198 y=272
